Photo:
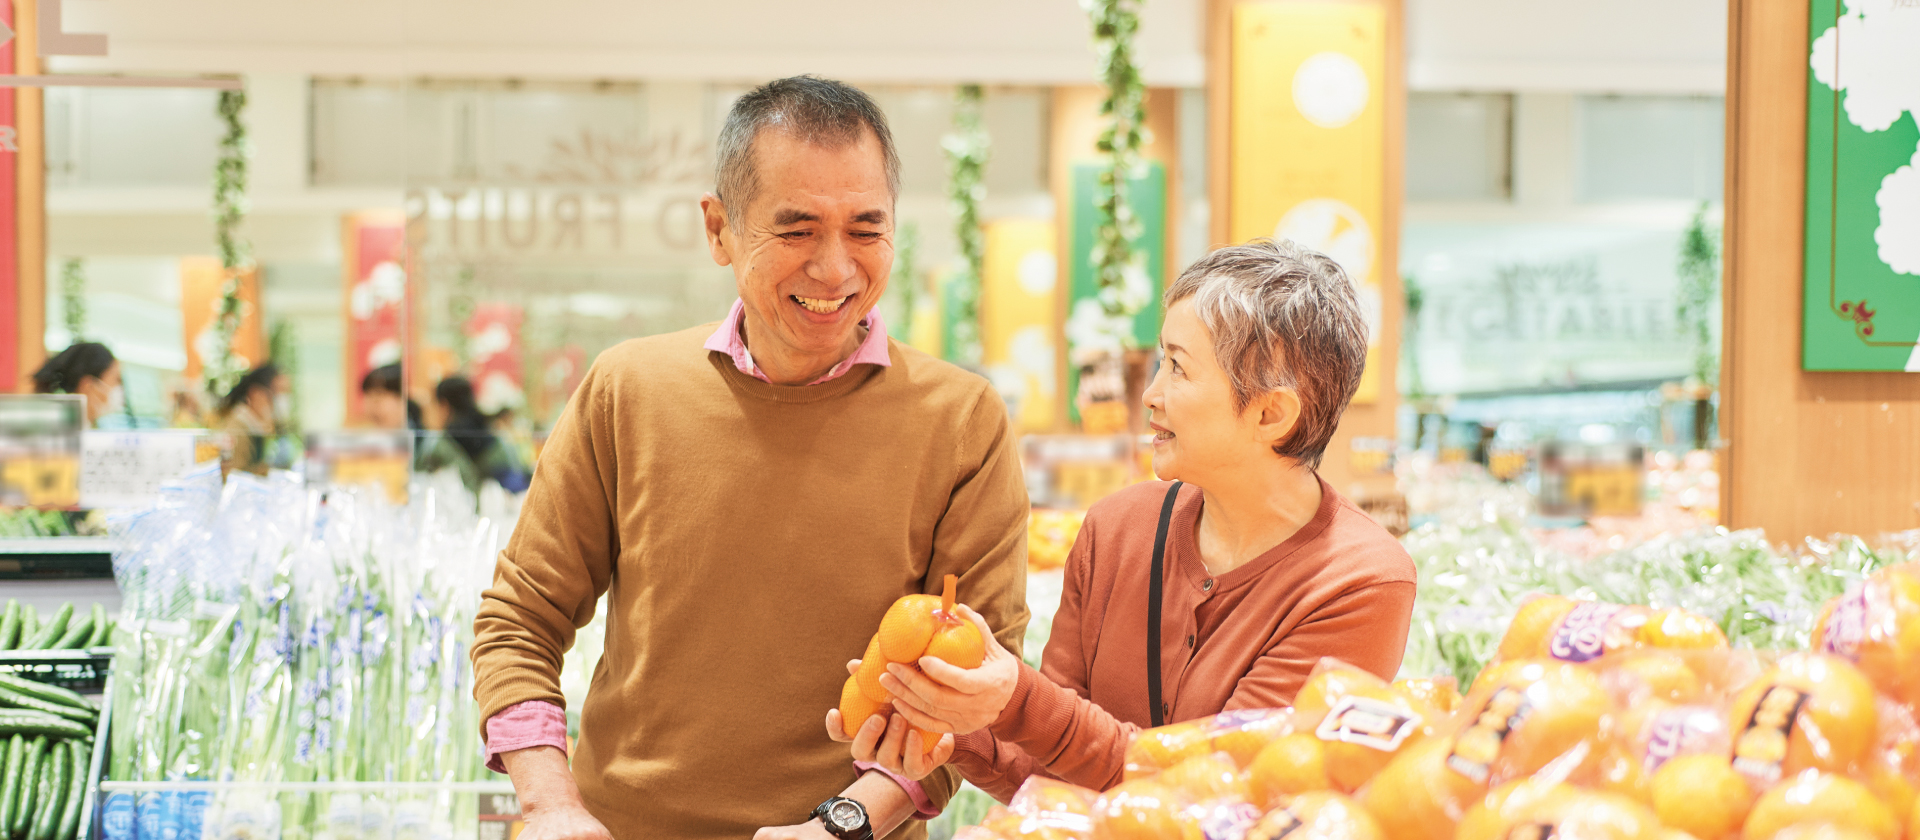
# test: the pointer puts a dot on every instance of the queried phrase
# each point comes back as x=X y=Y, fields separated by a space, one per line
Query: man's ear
x=1279 y=414
x=719 y=237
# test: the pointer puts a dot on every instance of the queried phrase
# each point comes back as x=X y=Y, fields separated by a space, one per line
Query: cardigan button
x=1206 y=585
x=1166 y=711
x=1190 y=644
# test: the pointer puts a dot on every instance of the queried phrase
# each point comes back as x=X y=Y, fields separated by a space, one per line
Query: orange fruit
x=1206 y=777
x=1493 y=815
x=1806 y=712
x=1351 y=763
x=1442 y=694
x=1535 y=712
x=1324 y=815
x=1243 y=733
x=1295 y=763
x=1668 y=834
x=1661 y=676
x=1677 y=629
x=907 y=627
x=1331 y=681
x=1817 y=797
x=928 y=740
x=958 y=644
x=1819 y=831
x=1701 y=795
x=872 y=665
x=1876 y=626
x=1156 y=749
x=1416 y=796
x=1530 y=809
x=1142 y=809
x=1532 y=626
x=856 y=707
x=1913 y=823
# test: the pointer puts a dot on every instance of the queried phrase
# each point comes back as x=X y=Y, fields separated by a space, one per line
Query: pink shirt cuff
x=535 y=723
x=923 y=807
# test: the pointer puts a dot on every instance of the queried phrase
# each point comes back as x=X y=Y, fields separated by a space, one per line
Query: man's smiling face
x=812 y=250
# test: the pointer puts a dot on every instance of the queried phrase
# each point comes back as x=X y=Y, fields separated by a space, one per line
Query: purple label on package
x=1582 y=635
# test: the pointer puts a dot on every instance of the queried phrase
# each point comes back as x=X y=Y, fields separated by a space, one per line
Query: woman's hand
x=943 y=698
x=888 y=741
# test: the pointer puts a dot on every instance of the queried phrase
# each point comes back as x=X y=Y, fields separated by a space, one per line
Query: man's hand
x=886 y=740
x=549 y=800
x=942 y=698
x=563 y=823
x=809 y=830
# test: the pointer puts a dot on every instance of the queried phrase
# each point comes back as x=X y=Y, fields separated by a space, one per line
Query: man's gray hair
x=1282 y=316
x=819 y=111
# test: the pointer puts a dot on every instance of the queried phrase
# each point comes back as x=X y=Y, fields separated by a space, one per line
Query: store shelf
x=56 y=557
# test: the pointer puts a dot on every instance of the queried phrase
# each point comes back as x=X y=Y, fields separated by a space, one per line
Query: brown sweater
x=749 y=536
x=1341 y=586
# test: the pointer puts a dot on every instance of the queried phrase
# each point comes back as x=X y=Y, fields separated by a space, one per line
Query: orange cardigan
x=1342 y=587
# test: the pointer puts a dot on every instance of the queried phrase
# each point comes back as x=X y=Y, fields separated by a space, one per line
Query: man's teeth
x=823 y=307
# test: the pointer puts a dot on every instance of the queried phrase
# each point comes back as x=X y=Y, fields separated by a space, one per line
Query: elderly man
x=751 y=498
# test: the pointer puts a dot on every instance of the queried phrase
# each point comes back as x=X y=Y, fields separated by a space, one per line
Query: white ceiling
x=1570 y=45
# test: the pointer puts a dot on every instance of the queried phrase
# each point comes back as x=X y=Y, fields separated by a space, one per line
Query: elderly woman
x=1217 y=589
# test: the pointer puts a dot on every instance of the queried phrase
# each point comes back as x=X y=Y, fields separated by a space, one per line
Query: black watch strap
x=863 y=831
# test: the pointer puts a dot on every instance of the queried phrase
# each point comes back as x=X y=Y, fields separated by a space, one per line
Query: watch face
x=846 y=816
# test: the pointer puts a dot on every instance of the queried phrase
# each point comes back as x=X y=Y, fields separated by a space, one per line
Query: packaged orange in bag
x=1557 y=627
x=1049 y=809
x=1808 y=711
x=1647 y=735
x=1317 y=816
x=1876 y=626
x=1239 y=733
x=1361 y=721
x=1144 y=809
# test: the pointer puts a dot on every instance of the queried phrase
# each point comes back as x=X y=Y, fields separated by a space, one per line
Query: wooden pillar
x=26 y=304
x=1372 y=418
x=1809 y=454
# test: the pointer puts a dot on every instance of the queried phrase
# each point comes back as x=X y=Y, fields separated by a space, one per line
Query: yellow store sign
x=1309 y=140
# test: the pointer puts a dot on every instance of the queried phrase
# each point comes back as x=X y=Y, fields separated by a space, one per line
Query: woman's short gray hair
x=819 y=111
x=1282 y=316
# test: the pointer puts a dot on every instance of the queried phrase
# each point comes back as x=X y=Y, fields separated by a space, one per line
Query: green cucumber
x=29 y=787
x=45 y=691
x=10 y=625
x=20 y=700
x=76 y=791
x=29 y=625
x=102 y=629
x=53 y=791
x=48 y=632
x=31 y=723
x=78 y=632
x=10 y=780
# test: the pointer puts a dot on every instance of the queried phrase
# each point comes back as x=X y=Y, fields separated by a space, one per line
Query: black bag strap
x=1153 y=607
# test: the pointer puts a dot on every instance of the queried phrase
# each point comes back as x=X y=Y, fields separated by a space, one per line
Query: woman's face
x=1198 y=434
x=100 y=393
x=385 y=409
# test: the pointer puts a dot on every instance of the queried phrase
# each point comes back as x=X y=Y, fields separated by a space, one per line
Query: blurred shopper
x=385 y=400
x=751 y=496
x=1265 y=568
x=247 y=415
x=466 y=442
x=88 y=369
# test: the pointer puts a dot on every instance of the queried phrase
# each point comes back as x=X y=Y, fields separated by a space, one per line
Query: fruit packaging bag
x=1876 y=626
x=1240 y=733
x=1049 y=809
x=1145 y=809
x=1350 y=723
x=1569 y=630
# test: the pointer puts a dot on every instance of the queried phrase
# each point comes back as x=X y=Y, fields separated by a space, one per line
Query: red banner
x=376 y=296
x=494 y=355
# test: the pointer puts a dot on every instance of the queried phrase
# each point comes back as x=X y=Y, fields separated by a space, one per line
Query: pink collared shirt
x=727 y=339
x=538 y=723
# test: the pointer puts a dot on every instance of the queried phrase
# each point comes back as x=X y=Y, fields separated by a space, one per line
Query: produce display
x=47 y=737
x=67 y=629
x=272 y=635
x=1592 y=720
x=915 y=626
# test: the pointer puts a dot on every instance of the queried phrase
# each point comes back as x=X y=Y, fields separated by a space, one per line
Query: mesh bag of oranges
x=915 y=626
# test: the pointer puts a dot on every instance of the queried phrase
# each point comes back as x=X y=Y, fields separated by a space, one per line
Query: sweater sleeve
x=557 y=564
x=1366 y=627
x=982 y=538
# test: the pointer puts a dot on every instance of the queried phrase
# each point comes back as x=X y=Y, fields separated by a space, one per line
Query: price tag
x=126 y=469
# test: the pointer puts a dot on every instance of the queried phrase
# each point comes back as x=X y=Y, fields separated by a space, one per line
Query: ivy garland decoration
x=1119 y=266
x=1699 y=295
x=73 y=297
x=223 y=368
x=967 y=148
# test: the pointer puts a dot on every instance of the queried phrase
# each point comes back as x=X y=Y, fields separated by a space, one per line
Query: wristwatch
x=844 y=818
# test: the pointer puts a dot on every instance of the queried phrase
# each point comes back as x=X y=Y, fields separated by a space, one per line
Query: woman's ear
x=1279 y=413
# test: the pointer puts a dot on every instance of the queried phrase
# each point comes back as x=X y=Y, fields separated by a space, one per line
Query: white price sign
x=126 y=469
